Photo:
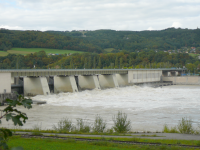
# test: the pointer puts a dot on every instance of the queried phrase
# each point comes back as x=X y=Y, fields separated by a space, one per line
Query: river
x=148 y=108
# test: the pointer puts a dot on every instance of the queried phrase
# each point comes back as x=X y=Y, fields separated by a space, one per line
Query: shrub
x=121 y=124
x=166 y=129
x=64 y=125
x=110 y=131
x=185 y=126
x=82 y=126
x=37 y=129
x=99 y=124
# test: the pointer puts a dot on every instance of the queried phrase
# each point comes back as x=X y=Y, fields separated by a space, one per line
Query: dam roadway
x=46 y=72
x=32 y=82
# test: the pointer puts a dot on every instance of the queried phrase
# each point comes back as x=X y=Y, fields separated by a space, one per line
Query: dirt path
x=175 y=136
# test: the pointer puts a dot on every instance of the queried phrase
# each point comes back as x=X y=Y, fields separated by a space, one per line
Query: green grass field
x=193 y=55
x=68 y=144
x=3 y=53
x=25 y=51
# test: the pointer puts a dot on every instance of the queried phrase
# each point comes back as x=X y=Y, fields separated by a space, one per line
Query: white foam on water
x=133 y=97
x=148 y=108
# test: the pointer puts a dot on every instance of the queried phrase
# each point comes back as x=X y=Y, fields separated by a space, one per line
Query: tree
x=190 y=67
x=130 y=62
x=89 y=62
x=121 y=61
x=94 y=62
x=99 y=124
x=17 y=117
x=71 y=64
x=85 y=63
x=99 y=64
x=121 y=123
x=116 y=62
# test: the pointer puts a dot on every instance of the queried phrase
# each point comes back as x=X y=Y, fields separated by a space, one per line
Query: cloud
x=11 y=28
x=176 y=24
x=150 y=28
x=99 y=14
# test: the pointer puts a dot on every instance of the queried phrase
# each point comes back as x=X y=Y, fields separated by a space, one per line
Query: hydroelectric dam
x=31 y=82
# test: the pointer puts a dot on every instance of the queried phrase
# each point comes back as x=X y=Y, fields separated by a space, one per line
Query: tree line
x=124 y=59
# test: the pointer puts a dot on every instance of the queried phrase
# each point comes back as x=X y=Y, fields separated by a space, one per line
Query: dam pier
x=31 y=82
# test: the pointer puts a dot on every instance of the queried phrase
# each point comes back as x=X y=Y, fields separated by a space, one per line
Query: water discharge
x=148 y=108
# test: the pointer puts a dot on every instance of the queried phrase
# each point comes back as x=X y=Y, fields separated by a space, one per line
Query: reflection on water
x=148 y=108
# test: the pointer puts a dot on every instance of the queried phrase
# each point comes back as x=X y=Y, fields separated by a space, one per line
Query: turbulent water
x=148 y=108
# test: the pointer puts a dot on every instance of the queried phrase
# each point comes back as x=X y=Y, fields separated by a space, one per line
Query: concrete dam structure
x=183 y=80
x=31 y=82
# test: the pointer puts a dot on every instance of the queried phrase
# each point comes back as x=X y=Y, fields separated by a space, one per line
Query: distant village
x=51 y=54
x=183 y=50
x=192 y=50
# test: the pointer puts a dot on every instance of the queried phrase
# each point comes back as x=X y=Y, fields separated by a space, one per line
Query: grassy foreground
x=154 y=141
x=60 y=144
x=25 y=51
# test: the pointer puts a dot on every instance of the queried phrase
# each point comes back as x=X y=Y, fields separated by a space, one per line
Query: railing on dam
x=53 y=72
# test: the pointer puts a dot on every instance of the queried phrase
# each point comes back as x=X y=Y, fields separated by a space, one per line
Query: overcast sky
x=70 y=15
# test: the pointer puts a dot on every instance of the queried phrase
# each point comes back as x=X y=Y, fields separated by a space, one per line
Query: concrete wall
x=36 y=86
x=65 y=84
x=88 y=82
x=183 y=80
x=5 y=83
x=108 y=81
x=12 y=80
x=122 y=79
x=142 y=76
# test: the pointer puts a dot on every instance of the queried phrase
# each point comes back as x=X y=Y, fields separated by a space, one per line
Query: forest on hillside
x=97 y=41
x=38 y=39
x=124 y=59
x=168 y=39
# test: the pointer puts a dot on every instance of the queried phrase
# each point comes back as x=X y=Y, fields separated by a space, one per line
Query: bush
x=121 y=124
x=110 y=131
x=37 y=129
x=82 y=126
x=64 y=125
x=168 y=130
x=185 y=126
x=99 y=124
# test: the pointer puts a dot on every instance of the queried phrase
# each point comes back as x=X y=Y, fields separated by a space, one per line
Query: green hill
x=101 y=40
